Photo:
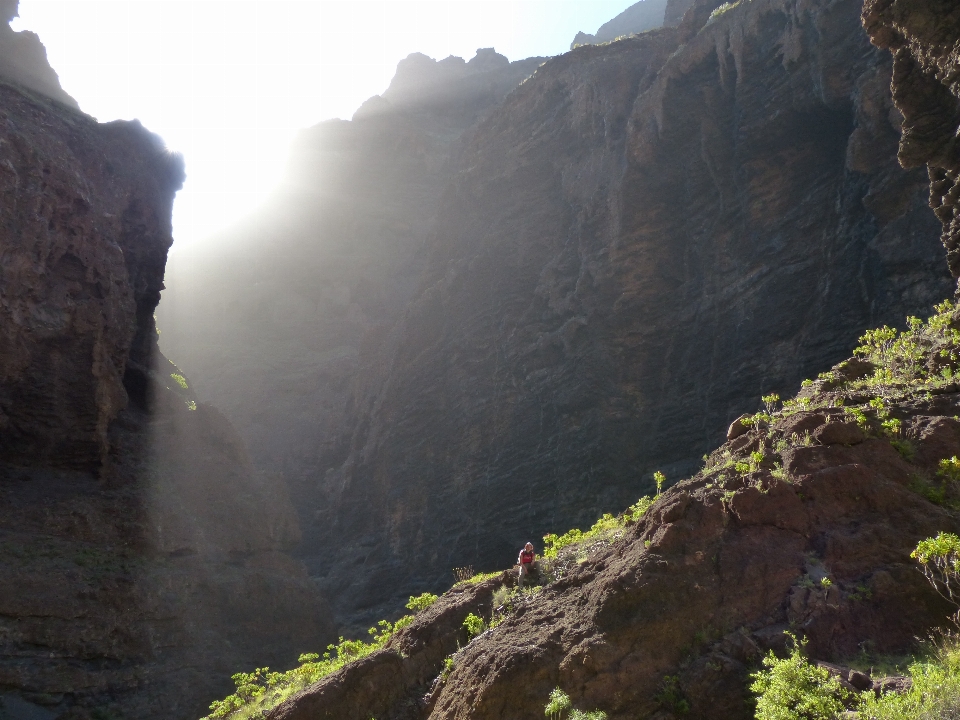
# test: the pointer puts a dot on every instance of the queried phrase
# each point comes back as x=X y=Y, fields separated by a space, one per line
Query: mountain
x=471 y=334
x=144 y=558
x=640 y=17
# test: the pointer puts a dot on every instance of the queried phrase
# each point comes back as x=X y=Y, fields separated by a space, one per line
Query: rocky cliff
x=644 y=235
x=23 y=59
x=640 y=238
x=640 y=17
x=668 y=619
x=143 y=557
x=922 y=37
x=804 y=519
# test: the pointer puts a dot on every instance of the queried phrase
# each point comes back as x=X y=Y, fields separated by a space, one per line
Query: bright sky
x=229 y=83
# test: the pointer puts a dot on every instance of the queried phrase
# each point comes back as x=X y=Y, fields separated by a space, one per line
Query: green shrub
x=939 y=559
x=935 y=694
x=474 y=625
x=560 y=703
x=639 y=508
x=950 y=469
x=261 y=690
x=421 y=602
x=670 y=696
x=794 y=689
x=607 y=524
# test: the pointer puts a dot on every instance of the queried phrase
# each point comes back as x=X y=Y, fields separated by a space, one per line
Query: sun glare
x=229 y=84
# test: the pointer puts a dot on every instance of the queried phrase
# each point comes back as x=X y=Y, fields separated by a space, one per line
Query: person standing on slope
x=525 y=560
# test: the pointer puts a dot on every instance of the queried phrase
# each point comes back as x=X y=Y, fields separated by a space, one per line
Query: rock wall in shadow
x=482 y=311
x=644 y=237
x=144 y=558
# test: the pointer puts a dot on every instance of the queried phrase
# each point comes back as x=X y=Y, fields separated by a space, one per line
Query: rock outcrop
x=922 y=36
x=23 y=59
x=144 y=559
x=640 y=17
x=640 y=238
x=86 y=229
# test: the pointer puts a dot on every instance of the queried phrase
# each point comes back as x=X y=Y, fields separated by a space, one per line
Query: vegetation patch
x=793 y=688
x=260 y=691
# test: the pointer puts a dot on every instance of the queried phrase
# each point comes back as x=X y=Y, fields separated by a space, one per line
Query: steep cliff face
x=922 y=36
x=639 y=17
x=644 y=235
x=144 y=558
x=78 y=282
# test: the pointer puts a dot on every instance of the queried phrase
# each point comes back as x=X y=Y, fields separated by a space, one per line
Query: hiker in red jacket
x=526 y=560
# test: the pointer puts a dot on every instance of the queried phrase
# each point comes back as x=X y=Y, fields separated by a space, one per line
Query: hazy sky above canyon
x=228 y=84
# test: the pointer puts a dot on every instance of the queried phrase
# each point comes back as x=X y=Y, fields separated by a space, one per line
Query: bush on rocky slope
x=793 y=687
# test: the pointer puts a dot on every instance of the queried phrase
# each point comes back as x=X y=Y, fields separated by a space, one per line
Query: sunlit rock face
x=144 y=559
x=23 y=59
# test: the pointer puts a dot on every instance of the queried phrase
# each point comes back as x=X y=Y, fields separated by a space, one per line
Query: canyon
x=581 y=282
x=803 y=521
x=488 y=307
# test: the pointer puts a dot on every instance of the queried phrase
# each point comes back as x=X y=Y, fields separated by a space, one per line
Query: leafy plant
x=607 y=525
x=474 y=625
x=949 y=469
x=259 y=691
x=639 y=508
x=660 y=479
x=671 y=696
x=421 y=602
x=559 y=702
x=794 y=689
x=939 y=559
x=934 y=694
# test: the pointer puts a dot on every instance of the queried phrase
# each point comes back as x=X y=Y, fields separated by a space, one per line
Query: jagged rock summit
x=640 y=17
x=23 y=58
